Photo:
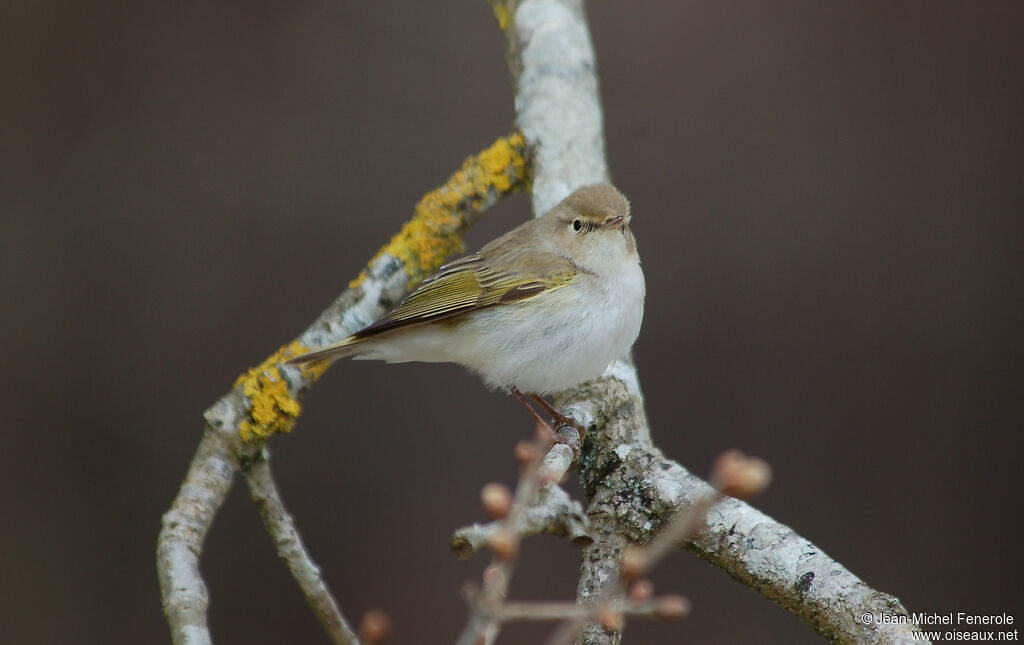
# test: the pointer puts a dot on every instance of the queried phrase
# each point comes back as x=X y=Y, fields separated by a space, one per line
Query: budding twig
x=551 y=610
x=552 y=512
x=610 y=615
x=483 y=626
x=733 y=473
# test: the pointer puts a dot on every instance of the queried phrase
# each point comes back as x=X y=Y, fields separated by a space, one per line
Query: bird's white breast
x=541 y=345
x=558 y=339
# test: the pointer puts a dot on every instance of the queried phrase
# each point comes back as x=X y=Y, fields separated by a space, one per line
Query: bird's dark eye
x=577 y=224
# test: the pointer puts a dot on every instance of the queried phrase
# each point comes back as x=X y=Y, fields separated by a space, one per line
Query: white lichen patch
x=623 y=450
x=621 y=369
x=363 y=312
x=669 y=489
x=581 y=412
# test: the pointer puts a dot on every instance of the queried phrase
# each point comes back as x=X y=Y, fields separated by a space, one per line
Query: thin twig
x=568 y=630
x=610 y=615
x=733 y=473
x=281 y=527
x=482 y=624
x=542 y=611
x=639 y=561
x=553 y=512
x=264 y=400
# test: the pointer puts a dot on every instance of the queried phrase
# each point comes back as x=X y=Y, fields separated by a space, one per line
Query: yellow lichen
x=432 y=234
x=500 y=14
x=272 y=408
x=435 y=231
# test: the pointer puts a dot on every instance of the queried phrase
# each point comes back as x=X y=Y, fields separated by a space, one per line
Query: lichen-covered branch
x=432 y=235
x=264 y=401
x=632 y=488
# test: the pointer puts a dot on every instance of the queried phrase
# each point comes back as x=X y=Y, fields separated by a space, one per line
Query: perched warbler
x=540 y=309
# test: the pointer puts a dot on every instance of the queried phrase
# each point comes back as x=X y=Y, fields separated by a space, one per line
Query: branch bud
x=504 y=544
x=740 y=476
x=497 y=500
x=375 y=627
x=672 y=608
x=526 y=452
x=641 y=590
x=544 y=434
x=493 y=576
x=634 y=563
x=610 y=619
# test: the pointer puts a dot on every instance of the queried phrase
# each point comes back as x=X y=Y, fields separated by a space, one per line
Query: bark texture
x=264 y=400
x=632 y=488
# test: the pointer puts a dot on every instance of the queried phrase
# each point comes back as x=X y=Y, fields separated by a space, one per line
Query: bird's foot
x=560 y=423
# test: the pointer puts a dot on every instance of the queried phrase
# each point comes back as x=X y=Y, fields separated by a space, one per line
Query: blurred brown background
x=827 y=199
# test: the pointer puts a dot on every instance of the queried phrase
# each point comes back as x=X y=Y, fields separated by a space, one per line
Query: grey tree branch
x=264 y=400
x=632 y=488
x=185 y=525
x=281 y=527
x=752 y=547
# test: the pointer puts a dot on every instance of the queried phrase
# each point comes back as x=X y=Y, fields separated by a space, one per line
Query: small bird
x=540 y=309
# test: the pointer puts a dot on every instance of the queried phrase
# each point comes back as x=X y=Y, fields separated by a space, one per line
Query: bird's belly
x=544 y=347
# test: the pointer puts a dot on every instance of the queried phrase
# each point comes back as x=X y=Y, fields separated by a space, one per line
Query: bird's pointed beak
x=614 y=222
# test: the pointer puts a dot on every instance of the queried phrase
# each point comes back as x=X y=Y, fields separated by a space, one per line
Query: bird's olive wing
x=473 y=283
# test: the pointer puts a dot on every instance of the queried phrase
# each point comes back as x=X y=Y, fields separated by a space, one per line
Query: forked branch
x=554 y=69
x=264 y=400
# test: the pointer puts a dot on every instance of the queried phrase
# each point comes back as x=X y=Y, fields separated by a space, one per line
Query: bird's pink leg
x=533 y=413
x=559 y=418
x=560 y=421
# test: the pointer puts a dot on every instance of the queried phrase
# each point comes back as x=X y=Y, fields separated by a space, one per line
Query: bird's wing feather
x=492 y=277
x=475 y=282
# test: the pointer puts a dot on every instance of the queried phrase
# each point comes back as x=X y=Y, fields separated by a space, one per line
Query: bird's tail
x=329 y=354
